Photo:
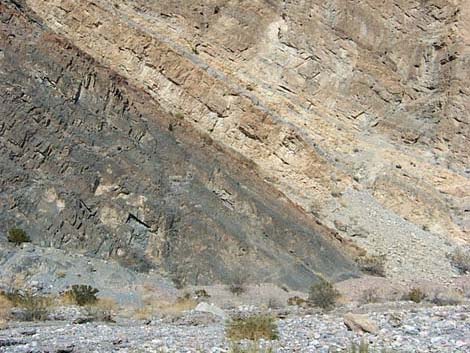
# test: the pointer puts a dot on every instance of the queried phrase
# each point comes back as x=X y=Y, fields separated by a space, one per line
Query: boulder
x=360 y=323
x=212 y=309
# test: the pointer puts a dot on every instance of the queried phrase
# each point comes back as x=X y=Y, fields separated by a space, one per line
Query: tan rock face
x=356 y=112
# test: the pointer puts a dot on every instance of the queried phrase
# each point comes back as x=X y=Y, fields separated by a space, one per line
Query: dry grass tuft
x=460 y=259
x=373 y=265
x=5 y=307
x=34 y=305
x=251 y=348
x=370 y=295
x=252 y=328
x=238 y=283
x=155 y=306
x=107 y=304
x=415 y=295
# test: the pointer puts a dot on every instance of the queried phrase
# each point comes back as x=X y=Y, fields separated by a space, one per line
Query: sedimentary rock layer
x=357 y=113
x=90 y=162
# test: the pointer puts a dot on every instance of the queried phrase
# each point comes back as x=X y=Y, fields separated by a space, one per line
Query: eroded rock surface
x=91 y=163
x=215 y=135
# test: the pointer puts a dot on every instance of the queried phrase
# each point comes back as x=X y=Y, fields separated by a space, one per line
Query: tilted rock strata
x=323 y=97
x=91 y=163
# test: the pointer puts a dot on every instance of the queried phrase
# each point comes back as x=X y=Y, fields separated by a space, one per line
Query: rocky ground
x=146 y=321
x=400 y=327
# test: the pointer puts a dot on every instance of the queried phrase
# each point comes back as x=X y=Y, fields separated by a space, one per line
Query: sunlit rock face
x=202 y=138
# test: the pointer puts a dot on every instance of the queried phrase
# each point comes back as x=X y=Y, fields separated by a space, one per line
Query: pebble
x=426 y=329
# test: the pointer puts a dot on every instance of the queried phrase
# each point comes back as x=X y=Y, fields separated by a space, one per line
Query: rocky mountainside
x=208 y=138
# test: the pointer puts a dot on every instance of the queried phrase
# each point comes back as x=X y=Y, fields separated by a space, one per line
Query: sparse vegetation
x=415 y=295
x=81 y=294
x=153 y=306
x=35 y=306
x=100 y=311
x=135 y=260
x=450 y=297
x=372 y=264
x=323 y=295
x=252 y=328
x=18 y=236
x=460 y=259
x=296 y=301
x=364 y=347
x=5 y=308
x=201 y=294
x=370 y=295
x=273 y=303
x=237 y=284
x=251 y=348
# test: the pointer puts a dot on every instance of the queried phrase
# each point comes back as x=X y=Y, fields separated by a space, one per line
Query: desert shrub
x=370 y=295
x=18 y=236
x=81 y=294
x=274 y=303
x=5 y=307
x=363 y=347
x=251 y=348
x=296 y=301
x=460 y=259
x=372 y=264
x=184 y=303
x=237 y=284
x=450 y=297
x=252 y=328
x=105 y=305
x=34 y=305
x=98 y=313
x=415 y=295
x=201 y=294
x=323 y=294
x=135 y=260
x=153 y=306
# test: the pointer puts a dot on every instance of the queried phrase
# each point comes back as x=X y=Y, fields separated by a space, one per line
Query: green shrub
x=18 y=236
x=252 y=328
x=323 y=294
x=81 y=294
x=415 y=295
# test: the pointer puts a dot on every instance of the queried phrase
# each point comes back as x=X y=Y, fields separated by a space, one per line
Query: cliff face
x=91 y=163
x=216 y=135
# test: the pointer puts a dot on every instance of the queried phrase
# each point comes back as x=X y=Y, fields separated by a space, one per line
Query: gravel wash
x=420 y=329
